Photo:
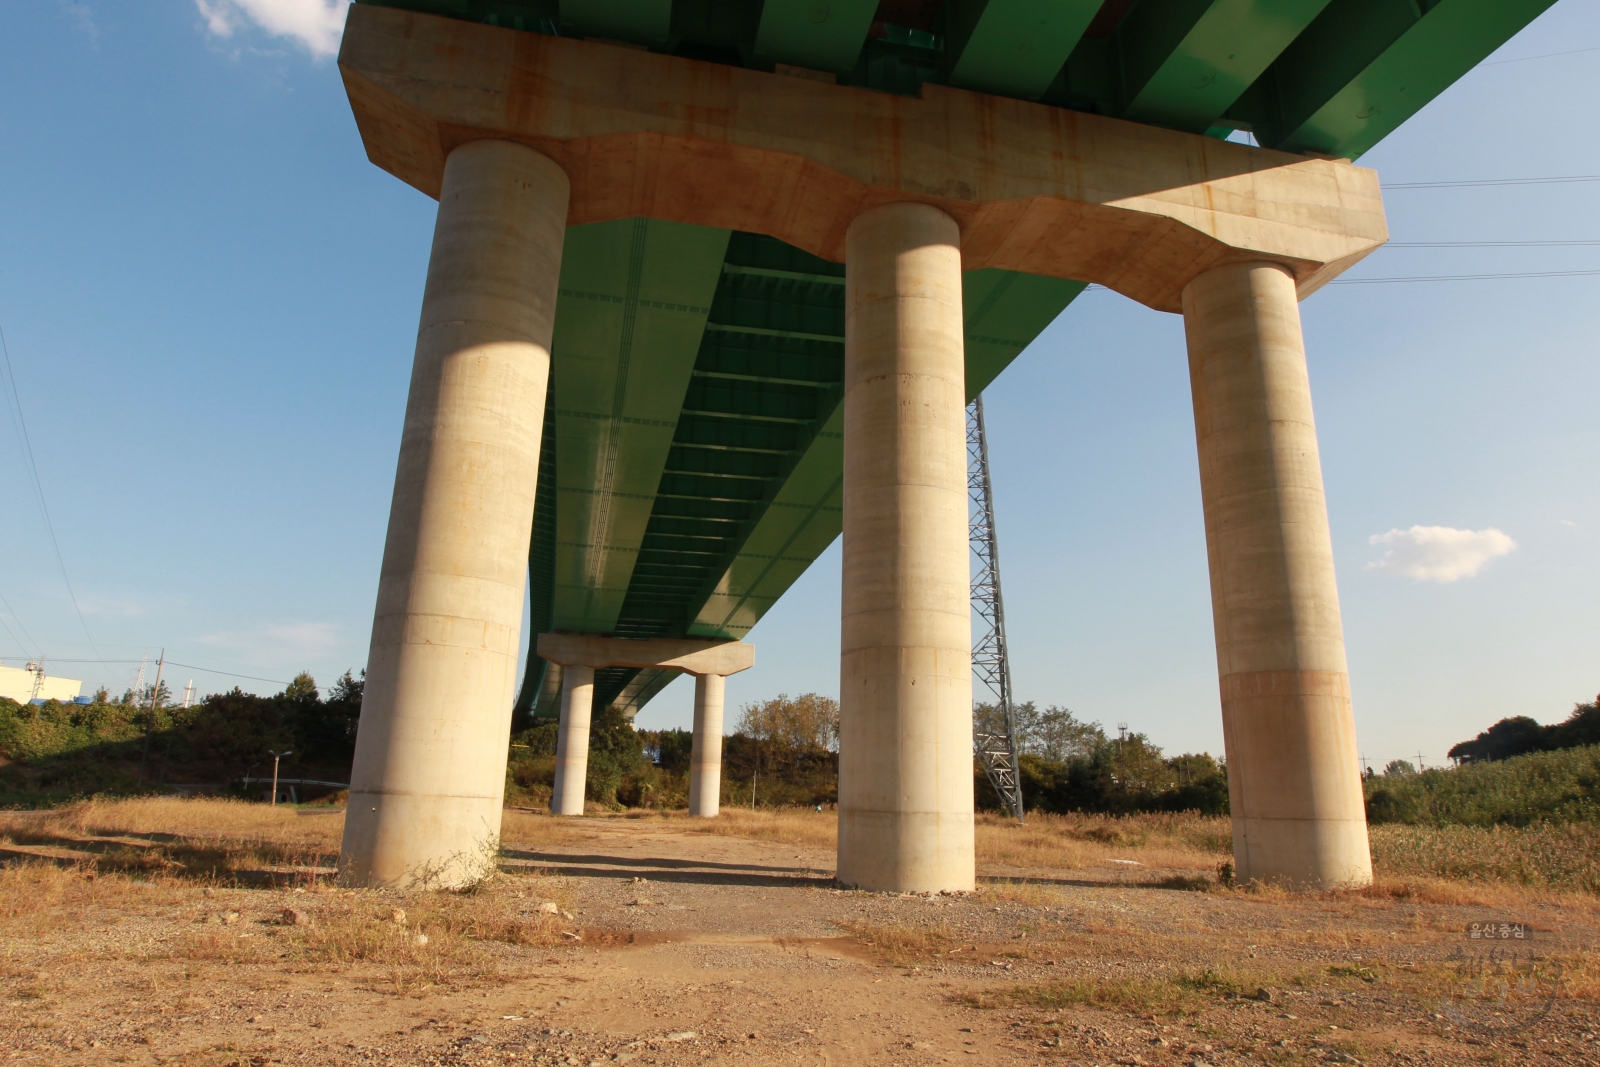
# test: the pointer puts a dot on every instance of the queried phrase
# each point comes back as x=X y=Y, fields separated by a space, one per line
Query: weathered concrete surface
x=905 y=685
x=691 y=655
x=429 y=774
x=572 y=740
x=1293 y=773
x=1033 y=188
x=705 y=754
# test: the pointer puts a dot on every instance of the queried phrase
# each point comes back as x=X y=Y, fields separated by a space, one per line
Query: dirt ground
x=622 y=940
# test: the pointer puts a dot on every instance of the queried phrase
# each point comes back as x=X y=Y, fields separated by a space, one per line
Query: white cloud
x=1439 y=553
x=315 y=24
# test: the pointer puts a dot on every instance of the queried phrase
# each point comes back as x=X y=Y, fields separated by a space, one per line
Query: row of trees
x=1520 y=734
x=784 y=751
x=138 y=743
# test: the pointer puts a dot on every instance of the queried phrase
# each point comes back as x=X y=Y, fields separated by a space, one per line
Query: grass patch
x=901 y=944
x=1177 y=994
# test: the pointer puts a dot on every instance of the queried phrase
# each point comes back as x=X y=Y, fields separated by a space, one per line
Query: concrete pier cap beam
x=710 y=660
x=1033 y=188
x=905 y=676
x=428 y=779
x=1294 y=778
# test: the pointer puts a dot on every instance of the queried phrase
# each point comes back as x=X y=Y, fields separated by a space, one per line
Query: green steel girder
x=1013 y=47
x=1185 y=62
x=824 y=35
x=648 y=22
x=633 y=303
x=1326 y=76
x=1365 y=66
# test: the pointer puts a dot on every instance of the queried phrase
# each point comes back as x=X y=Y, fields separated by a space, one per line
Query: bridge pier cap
x=710 y=660
x=1034 y=188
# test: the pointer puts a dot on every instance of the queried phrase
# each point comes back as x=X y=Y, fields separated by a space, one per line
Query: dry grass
x=1562 y=857
x=901 y=944
x=1184 y=841
x=1173 y=994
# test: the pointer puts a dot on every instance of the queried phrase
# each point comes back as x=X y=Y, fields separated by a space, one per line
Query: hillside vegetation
x=1561 y=786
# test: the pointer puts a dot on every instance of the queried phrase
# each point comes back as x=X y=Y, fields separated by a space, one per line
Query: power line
x=1560 y=180
x=1528 y=59
x=1467 y=277
x=38 y=488
x=175 y=663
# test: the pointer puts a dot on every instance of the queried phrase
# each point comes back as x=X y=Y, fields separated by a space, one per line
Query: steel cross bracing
x=994 y=726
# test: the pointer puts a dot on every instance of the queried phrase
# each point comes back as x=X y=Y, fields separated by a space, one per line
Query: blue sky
x=210 y=297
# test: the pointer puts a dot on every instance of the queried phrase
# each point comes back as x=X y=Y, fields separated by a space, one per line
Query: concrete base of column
x=1294 y=779
x=428 y=780
x=905 y=687
x=572 y=740
x=705 y=758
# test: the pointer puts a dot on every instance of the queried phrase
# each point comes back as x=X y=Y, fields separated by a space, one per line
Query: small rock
x=682 y=1035
x=924 y=1045
x=397 y=916
x=570 y=936
x=420 y=939
x=549 y=907
x=229 y=918
x=295 y=917
x=1263 y=995
x=254 y=1019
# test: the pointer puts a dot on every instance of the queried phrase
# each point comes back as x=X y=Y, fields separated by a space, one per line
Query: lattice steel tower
x=994 y=727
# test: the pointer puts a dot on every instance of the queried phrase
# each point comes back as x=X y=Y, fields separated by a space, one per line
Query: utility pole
x=276 y=756
x=188 y=693
x=155 y=700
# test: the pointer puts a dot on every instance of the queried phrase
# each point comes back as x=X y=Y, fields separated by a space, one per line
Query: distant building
x=23 y=684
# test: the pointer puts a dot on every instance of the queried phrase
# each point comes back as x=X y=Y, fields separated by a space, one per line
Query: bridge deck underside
x=693 y=456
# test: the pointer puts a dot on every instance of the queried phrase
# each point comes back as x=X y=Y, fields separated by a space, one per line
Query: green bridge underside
x=692 y=461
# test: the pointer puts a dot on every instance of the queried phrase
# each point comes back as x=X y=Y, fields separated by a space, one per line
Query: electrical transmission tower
x=994 y=727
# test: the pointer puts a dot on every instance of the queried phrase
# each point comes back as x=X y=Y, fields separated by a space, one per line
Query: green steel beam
x=633 y=304
x=1005 y=311
x=823 y=35
x=1365 y=66
x=1185 y=62
x=646 y=22
x=1013 y=47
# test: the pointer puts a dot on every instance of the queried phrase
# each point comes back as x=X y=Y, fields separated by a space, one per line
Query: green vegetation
x=1520 y=734
x=1068 y=765
x=53 y=752
x=1561 y=786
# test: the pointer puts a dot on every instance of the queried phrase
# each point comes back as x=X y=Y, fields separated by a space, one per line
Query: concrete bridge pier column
x=705 y=756
x=905 y=686
x=572 y=740
x=428 y=780
x=1293 y=774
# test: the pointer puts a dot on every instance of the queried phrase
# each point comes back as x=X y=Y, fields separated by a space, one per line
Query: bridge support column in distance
x=572 y=740
x=1293 y=775
x=428 y=780
x=905 y=686
x=705 y=755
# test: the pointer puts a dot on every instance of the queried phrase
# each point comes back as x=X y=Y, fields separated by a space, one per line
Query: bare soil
x=639 y=940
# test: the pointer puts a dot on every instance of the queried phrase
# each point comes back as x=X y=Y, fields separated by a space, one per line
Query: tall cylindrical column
x=429 y=776
x=905 y=673
x=572 y=740
x=1294 y=780
x=705 y=755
